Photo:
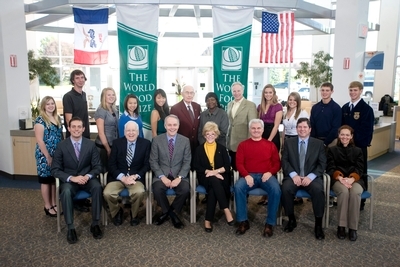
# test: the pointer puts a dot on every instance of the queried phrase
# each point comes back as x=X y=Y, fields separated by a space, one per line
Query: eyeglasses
x=189 y=93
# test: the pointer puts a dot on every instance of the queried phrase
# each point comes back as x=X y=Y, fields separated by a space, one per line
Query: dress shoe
x=268 y=230
x=290 y=226
x=231 y=223
x=71 y=236
x=160 y=220
x=135 y=221
x=204 y=200
x=319 y=233
x=47 y=211
x=176 y=221
x=341 y=232
x=243 y=227
x=96 y=231
x=118 y=218
x=208 y=230
x=352 y=235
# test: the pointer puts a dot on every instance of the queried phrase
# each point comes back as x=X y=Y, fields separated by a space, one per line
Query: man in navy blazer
x=188 y=113
x=307 y=176
x=77 y=164
x=123 y=175
x=170 y=159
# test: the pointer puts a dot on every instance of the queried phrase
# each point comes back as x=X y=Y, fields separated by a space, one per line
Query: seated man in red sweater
x=257 y=161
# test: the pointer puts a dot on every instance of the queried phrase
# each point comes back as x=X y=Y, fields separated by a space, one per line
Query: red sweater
x=257 y=157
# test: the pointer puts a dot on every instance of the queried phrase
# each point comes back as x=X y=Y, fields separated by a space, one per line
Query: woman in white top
x=293 y=113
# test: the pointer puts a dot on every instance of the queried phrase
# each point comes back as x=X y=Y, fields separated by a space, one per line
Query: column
x=349 y=15
x=388 y=35
x=14 y=81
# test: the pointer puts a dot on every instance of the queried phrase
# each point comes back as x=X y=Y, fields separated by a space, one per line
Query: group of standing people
x=211 y=143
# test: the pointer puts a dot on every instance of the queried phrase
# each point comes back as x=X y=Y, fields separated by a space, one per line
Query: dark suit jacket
x=315 y=161
x=159 y=156
x=66 y=164
x=140 y=163
x=221 y=159
x=361 y=119
x=186 y=127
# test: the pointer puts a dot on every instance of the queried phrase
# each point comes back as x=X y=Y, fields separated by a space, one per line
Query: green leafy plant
x=318 y=72
x=35 y=103
x=41 y=67
x=178 y=87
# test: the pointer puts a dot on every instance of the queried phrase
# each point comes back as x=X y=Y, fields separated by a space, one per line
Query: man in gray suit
x=303 y=164
x=170 y=159
x=76 y=163
x=240 y=112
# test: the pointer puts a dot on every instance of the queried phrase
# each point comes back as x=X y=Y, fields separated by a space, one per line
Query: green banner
x=138 y=57
x=231 y=50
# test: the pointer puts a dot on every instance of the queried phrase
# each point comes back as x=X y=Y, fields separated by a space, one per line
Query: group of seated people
x=304 y=160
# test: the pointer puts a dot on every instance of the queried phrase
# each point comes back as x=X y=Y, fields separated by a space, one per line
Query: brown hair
x=264 y=102
x=346 y=127
x=356 y=84
x=297 y=98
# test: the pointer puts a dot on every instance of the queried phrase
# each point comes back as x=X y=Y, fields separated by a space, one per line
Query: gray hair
x=237 y=83
x=171 y=116
x=135 y=125
x=254 y=121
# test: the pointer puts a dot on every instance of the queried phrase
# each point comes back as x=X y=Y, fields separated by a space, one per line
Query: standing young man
x=360 y=116
x=325 y=116
x=75 y=103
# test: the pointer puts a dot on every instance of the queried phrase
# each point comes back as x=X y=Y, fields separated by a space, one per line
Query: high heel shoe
x=231 y=223
x=53 y=208
x=47 y=211
x=208 y=230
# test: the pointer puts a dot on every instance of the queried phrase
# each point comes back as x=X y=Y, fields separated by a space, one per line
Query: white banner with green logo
x=137 y=28
x=232 y=34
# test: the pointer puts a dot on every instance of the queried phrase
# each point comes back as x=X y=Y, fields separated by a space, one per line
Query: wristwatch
x=179 y=177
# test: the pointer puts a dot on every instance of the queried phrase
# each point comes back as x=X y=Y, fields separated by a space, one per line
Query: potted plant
x=316 y=73
x=40 y=68
x=178 y=89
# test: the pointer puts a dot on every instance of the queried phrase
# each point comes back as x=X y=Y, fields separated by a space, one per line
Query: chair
x=195 y=189
x=364 y=195
x=256 y=192
x=79 y=195
x=301 y=193
x=169 y=192
x=125 y=193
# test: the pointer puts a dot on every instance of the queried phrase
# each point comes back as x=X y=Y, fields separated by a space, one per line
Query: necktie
x=76 y=148
x=129 y=154
x=171 y=152
x=351 y=107
x=302 y=157
x=171 y=148
x=191 y=113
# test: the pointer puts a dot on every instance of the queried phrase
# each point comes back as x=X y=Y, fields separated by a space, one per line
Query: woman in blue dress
x=160 y=111
x=131 y=112
x=48 y=133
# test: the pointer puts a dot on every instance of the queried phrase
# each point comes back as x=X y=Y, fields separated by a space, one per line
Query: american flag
x=277 y=37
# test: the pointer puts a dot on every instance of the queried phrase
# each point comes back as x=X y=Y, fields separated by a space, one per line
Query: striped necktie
x=191 y=113
x=77 y=150
x=129 y=154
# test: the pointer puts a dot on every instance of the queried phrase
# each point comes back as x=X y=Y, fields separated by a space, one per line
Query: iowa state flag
x=91 y=36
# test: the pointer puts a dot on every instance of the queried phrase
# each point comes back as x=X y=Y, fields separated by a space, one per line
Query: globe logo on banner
x=232 y=58
x=138 y=57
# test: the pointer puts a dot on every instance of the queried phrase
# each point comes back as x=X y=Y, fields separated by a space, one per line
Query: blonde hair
x=264 y=102
x=211 y=126
x=103 y=103
x=43 y=113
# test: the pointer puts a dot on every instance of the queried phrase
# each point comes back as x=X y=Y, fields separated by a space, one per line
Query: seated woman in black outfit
x=345 y=166
x=212 y=164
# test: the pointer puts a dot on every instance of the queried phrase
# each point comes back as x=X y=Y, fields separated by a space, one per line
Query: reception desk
x=381 y=140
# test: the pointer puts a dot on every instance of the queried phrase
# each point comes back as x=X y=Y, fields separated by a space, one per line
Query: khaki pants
x=348 y=204
x=136 y=195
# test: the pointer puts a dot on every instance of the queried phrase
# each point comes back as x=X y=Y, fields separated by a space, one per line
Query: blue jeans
x=271 y=186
